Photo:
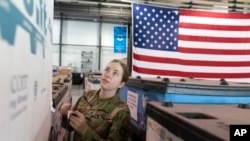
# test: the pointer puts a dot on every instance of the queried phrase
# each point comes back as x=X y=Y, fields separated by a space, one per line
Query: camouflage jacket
x=108 y=119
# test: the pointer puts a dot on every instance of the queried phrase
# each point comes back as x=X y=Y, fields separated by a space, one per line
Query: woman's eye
x=115 y=73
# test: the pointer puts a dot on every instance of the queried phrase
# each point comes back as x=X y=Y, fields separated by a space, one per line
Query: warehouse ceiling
x=119 y=11
x=111 y=11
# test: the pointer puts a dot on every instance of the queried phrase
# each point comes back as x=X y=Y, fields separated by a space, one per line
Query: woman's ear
x=121 y=84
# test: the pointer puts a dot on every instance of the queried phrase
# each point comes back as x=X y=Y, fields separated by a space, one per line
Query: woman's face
x=112 y=76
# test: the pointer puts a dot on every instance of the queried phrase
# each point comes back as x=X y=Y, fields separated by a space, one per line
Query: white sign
x=132 y=101
x=26 y=69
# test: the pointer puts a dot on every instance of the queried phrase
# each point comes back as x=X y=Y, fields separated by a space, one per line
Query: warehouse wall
x=78 y=36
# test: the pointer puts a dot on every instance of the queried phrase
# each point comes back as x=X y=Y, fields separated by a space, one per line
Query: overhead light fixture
x=88 y=2
x=126 y=1
x=115 y=4
x=67 y=1
x=133 y=1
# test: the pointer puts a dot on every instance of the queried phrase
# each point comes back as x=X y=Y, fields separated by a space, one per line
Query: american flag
x=190 y=43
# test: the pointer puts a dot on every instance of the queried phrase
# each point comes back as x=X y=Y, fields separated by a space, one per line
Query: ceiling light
x=115 y=4
x=88 y=2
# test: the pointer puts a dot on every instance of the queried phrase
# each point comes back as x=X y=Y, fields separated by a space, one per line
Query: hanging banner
x=26 y=69
x=120 y=39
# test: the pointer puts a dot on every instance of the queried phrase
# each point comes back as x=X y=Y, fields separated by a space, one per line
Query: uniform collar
x=111 y=99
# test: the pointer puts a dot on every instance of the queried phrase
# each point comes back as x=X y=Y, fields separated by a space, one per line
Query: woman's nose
x=108 y=74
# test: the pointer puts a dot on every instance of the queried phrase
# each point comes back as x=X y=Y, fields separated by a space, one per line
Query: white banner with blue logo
x=120 y=39
x=26 y=69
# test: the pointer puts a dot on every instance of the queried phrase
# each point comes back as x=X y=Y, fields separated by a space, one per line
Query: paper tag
x=69 y=112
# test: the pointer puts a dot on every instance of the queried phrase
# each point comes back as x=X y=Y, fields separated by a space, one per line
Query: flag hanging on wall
x=190 y=43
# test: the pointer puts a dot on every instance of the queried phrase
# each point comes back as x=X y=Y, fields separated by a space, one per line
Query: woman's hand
x=78 y=122
x=65 y=108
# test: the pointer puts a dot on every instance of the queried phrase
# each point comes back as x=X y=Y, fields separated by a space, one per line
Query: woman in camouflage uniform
x=100 y=114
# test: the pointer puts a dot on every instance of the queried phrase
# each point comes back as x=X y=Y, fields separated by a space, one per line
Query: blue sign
x=120 y=39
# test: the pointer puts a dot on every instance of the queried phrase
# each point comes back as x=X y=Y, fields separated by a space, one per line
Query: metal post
x=60 y=43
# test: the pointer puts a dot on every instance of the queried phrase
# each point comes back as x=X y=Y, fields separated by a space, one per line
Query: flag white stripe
x=210 y=45
x=214 y=33
x=185 y=68
x=214 y=21
x=188 y=56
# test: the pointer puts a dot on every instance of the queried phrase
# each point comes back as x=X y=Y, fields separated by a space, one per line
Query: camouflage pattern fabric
x=108 y=119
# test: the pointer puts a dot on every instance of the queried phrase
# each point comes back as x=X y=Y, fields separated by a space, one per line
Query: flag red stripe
x=190 y=62
x=190 y=74
x=214 y=27
x=213 y=51
x=214 y=14
x=213 y=39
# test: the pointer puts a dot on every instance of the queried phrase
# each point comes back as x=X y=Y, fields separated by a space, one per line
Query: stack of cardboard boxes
x=61 y=93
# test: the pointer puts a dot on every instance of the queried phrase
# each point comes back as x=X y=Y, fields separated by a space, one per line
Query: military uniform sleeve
x=119 y=130
x=64 y=122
